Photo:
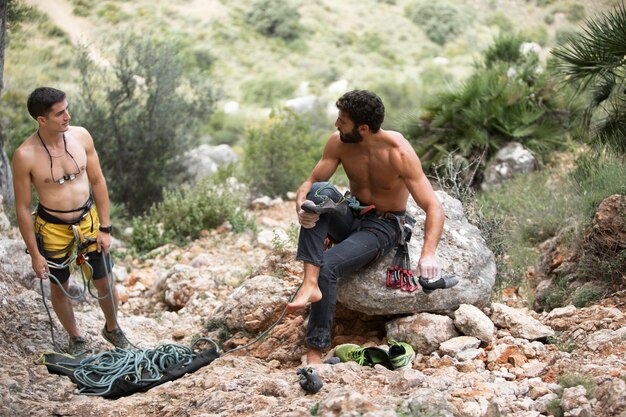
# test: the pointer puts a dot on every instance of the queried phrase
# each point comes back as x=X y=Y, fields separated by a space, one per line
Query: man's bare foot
x=313 y=356
x=306 y=295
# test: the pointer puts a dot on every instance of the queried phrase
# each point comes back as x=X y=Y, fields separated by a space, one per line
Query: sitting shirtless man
x=61 y=162
x=383 y=169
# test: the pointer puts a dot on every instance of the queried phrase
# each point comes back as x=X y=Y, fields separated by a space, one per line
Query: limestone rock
x=471 y=321
x=424 y=331
x=461 y=251
x=518 y=323
x=509 y=161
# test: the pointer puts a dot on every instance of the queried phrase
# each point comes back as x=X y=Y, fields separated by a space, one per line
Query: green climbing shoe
x=401 y=354
x=350 y=352
x=368 y=356
x=377 y=356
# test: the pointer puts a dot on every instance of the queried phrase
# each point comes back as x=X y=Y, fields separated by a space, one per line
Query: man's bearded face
x=352 y=137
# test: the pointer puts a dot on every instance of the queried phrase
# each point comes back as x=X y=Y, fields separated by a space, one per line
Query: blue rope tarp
x=122 y=372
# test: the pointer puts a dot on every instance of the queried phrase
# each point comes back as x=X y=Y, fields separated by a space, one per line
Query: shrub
x=111 y=13
x=506 y=48
x=266 y=90
x=575 y=12
x=442 y=21
x=274 y=18
x=185 y=212
x=279 y=153
x=142 y=116
x=225 y=128
x=587 y=295
x=593 y=62
x=510 y=99
x=501 y=21
x=575 y=379
x=595 y=177
x=564 y=35
x=554 y=408
x=83 y=7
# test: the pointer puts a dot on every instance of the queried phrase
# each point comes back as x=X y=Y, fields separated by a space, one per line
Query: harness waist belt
x=44 y=213
x=392 y=215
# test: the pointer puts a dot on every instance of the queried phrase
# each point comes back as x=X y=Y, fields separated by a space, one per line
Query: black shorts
x=95 y=259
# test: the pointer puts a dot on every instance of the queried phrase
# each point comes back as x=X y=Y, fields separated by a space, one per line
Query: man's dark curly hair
x=42 y=99
x=363 y=108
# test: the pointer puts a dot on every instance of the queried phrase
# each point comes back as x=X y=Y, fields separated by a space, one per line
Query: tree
x=595 y=61
x=143 y=113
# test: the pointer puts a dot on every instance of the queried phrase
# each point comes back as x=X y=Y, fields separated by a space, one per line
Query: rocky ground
x=232 y=286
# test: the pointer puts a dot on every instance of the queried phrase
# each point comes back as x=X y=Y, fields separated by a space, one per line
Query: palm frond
x=601 y=48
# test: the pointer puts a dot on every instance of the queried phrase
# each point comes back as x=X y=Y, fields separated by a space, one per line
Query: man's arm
x=322 y=171
x=409 y=167
x=98 y=188
x=22 y=187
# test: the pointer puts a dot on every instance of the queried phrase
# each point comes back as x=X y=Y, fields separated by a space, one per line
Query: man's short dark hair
x=42 y=99
x=363 y=108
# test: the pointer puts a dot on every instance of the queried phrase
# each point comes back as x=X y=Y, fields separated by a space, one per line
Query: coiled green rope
x=98 y=372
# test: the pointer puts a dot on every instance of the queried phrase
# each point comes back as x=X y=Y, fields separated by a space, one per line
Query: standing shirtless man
x=383 y=169
x=61 y=162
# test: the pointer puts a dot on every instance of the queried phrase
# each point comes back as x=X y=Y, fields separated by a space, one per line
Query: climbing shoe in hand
x=115 y=337
x=324 y=198
x=401 y=354
x=445 y=281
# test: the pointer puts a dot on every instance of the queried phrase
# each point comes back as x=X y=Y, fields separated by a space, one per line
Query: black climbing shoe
x=443 y=282
x=327 y=207
x=310 y=381
x=324 y=198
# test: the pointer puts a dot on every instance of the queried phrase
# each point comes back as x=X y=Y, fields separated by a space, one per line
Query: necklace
x=69 y=177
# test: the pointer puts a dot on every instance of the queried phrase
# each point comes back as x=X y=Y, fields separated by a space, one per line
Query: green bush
x=563 y=35
x=529 y=210
x=266 y=90
x=83 y=7
x=111 y=13
x=554 y=408
x=225 y=128
x=588 y=295
x=593 y=62
x=597 y=176
x=275 y=18
x=143 y=114
x=506 y=48
x=537 y=33
x=575 y=12
x=501 y=21
x=441 y=21
x=575 y=379
x=509 y=99
x=280 y=153
x=185 y=212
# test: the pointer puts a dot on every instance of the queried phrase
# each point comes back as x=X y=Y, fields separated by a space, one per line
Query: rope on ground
x=100 y=371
